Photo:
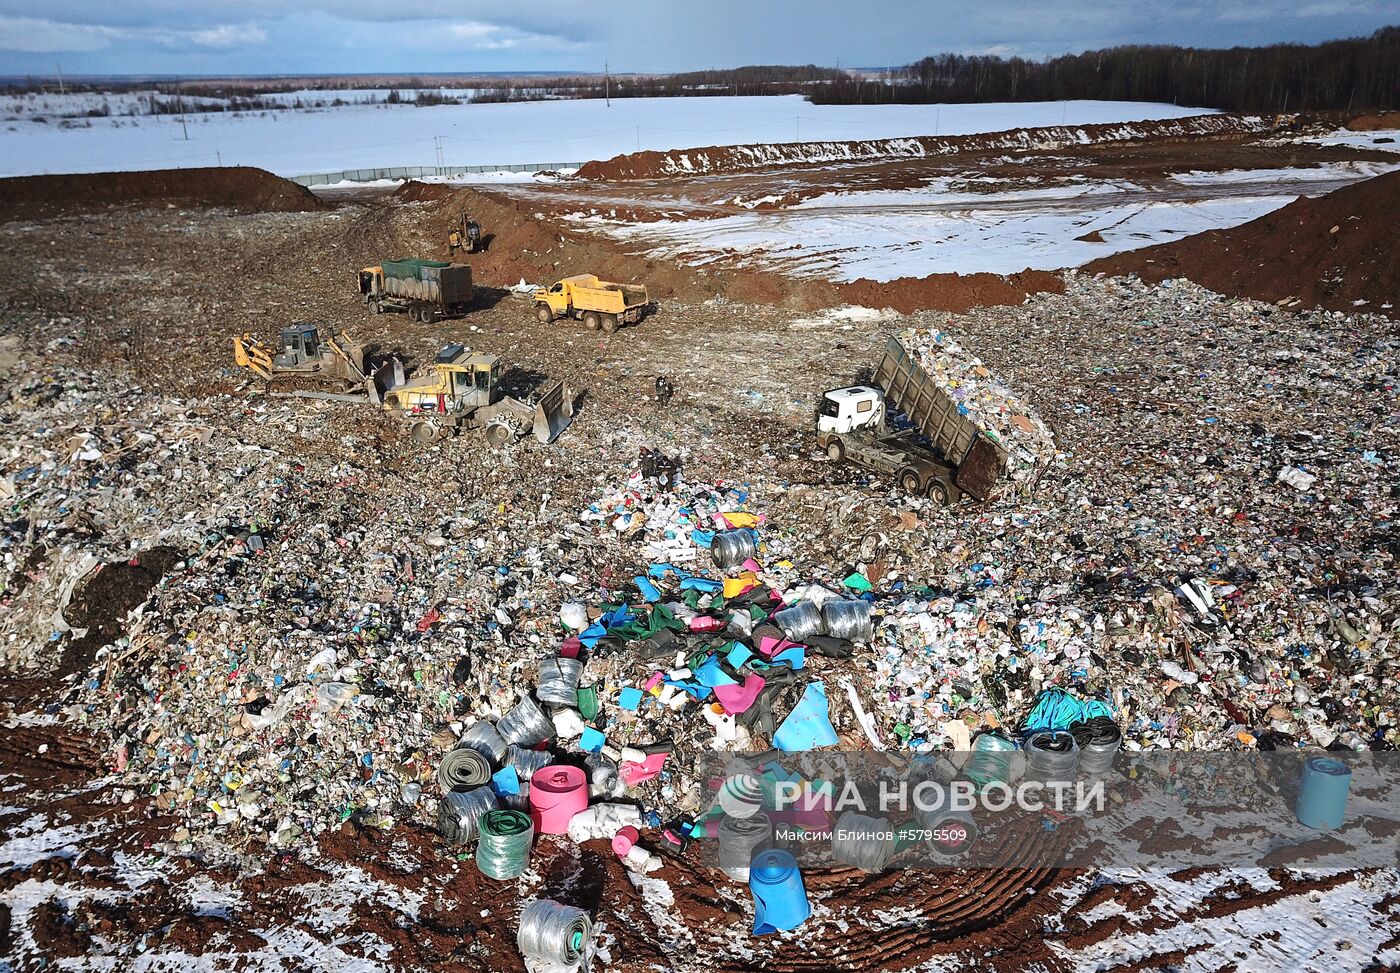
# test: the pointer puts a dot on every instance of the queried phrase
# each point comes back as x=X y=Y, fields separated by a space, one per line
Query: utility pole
x=60 y=77
x=180 y=100
x=607 y=85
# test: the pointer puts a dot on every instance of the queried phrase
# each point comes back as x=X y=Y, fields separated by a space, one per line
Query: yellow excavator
x=302 y=351
x=467 y=236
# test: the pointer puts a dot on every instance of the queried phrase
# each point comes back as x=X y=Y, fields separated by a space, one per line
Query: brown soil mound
x=735 y=158
x=951 y=292
x=414 y=191
x=1372 y=123
x=235 y=187
x=1330 y=252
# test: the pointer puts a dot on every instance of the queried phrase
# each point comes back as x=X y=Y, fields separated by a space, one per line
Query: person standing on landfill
x=664 y=390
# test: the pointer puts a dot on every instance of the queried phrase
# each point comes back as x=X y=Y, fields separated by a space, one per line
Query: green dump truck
x=425 y=289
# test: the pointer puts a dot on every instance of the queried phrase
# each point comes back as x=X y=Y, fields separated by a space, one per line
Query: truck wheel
x=938 y=492
x=502 y=430
x=427 y=315
x=544 y=314
x=835 y=451
x=378 y=308
x=590 y=321
x=424 y=432
x=909 y=479
x=610 y=323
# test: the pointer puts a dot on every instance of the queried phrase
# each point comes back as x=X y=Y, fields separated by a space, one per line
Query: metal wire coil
x=990 y=760
x=503 y=844
x=526 y=761
x=848 y=618
x=525 y=725
x=559 y=681
x=462 y=769
x=862 y=841
x=1051 y=755
x=1099 y=740
x=483 y=738
x=731 y=548
x=739 y=840
x=800 y=622
x=459 y=812
x=552 y=932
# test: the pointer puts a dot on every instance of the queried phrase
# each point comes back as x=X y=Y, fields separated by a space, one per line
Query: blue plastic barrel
x=1322 y=793
x=779 y=897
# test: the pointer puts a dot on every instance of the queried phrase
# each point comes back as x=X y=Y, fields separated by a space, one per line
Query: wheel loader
x=461 y=390
x=301 y=351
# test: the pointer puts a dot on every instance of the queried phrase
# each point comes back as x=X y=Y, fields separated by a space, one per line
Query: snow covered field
x=886 y=234
x=365 y=136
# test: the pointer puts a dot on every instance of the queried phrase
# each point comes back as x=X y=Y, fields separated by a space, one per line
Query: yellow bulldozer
x=461 y=390
x=302 y=351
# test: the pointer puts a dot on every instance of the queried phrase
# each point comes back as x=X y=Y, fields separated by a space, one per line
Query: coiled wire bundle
x=462 y=769
x=552 y=932
x=503 y=844
x=800 y=622
x=1051 y=755
x=848 y=618
x=990 y=760
x=739 y=840
x=483 y=738
x=525 y=725
x=460 y=811
x=1099 y=740
x=731 y=548
x=949 y=830
x=862 y=841
x=526 y=761
x=559 y=681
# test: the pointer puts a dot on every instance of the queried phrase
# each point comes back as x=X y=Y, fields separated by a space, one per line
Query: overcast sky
x=354 y=36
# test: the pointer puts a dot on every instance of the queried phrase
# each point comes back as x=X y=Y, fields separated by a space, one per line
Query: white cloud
x=230 y=35
x=36 y=35
x=479 y=35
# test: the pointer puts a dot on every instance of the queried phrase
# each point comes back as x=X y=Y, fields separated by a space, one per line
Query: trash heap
x=704 y=648
x=1002 y=415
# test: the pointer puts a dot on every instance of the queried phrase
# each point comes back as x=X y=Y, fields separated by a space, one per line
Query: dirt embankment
x=522 y=245
x=236 y=187
x=1332 y=251
x=1375 y=123
x=736 y=158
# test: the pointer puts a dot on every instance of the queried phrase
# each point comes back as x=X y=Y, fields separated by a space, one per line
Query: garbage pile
x=1002 y=415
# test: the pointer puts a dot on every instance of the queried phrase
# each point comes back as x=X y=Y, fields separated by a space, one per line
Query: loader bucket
x=553 y=412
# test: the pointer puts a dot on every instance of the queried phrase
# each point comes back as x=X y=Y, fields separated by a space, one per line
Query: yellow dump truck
x=598 y=303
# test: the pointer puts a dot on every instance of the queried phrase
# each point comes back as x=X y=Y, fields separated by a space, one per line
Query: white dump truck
x=936 y=452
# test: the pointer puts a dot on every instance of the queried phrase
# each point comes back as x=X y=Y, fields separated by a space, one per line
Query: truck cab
x=848 y=409
x=371 y=283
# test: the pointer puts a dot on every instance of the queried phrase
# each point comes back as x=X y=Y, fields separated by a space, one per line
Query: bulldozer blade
x=386 y=377
x=553 y=412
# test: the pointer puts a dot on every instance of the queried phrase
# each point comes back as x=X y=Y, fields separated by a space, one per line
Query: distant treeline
x=753 y=80
x=1362 y=73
